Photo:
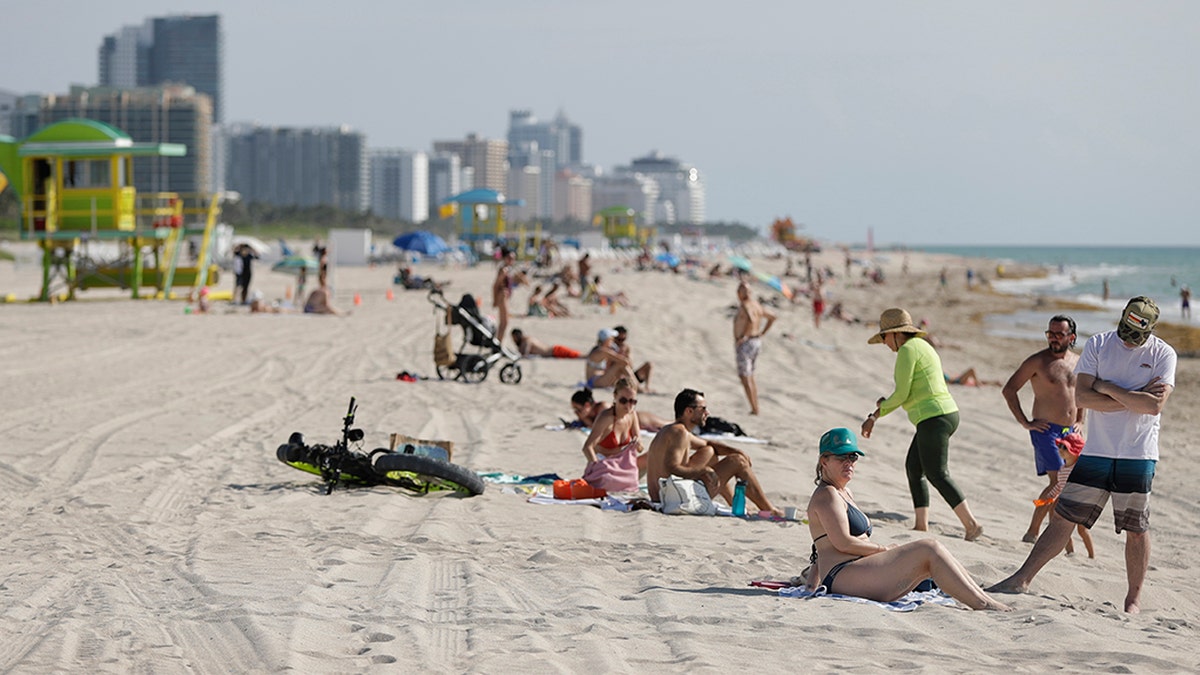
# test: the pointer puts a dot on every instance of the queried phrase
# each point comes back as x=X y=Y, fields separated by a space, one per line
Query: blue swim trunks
x=1045 y=450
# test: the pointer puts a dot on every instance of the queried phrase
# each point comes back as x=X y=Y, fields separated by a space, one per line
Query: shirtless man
x=748 y=329
x=712 y=463
x=1052 y=374
x=502 y=290
x=528 y=346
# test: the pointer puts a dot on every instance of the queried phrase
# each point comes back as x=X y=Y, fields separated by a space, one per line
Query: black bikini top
x=860 y=524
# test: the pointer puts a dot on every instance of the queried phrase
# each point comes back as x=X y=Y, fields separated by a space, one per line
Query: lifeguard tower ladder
x=74 y=180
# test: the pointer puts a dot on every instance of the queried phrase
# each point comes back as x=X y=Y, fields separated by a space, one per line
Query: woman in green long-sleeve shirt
x=921 y=390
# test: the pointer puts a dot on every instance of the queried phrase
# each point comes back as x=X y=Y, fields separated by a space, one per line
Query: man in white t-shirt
x=1125 y=377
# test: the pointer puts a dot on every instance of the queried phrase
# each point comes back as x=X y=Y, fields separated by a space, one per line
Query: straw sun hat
x=895 y=320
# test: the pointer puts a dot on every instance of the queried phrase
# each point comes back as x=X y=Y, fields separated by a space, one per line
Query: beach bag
x=443 y=349
x=683 y=496
x=716 y=425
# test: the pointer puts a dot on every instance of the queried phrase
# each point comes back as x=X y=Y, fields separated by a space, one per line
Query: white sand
x=151 y=529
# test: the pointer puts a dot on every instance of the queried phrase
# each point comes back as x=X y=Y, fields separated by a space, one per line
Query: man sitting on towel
x=712 y=463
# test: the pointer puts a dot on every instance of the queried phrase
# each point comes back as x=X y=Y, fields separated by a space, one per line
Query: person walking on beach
x=920 y=388
x=1051 y=374
x=713 y=463
x=749 y=325
x=1185 y=302
x=502 y=290
x=1125 y=377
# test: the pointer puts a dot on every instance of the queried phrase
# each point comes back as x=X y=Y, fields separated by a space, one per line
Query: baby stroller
x=481 y=348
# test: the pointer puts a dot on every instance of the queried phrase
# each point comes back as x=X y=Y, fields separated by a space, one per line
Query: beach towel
x=615 y=473
x=908 y=603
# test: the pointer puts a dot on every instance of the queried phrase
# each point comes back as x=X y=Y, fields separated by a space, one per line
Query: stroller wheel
x=474 y=369
x=443 y=372
x=510 y=374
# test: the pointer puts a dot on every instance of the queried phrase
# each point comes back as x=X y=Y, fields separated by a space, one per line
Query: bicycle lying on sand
x=339 y=463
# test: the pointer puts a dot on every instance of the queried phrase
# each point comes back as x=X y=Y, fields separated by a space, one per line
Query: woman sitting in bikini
x=845 y=561
x=613 y=449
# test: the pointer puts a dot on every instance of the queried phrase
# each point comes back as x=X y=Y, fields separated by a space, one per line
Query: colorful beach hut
x=480 y=214
x=74 y=182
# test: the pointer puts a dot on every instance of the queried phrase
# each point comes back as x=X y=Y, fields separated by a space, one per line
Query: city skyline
x=929 y=122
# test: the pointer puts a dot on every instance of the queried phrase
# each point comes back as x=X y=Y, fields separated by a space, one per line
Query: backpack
x=716 y=425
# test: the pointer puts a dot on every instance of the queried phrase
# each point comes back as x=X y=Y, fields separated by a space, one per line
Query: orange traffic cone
x=390 y=294
x=357 y=299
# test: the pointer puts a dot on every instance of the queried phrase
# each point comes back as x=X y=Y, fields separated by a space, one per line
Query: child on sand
x=1069 y=447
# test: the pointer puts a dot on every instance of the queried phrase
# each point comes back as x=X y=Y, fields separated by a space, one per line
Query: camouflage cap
x=1138 y=320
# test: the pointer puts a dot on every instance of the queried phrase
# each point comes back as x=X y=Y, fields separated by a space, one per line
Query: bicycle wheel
x=510 y=374
x=426 y=474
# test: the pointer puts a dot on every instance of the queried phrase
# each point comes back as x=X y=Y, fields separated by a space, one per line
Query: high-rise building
x=572 y=197
x=550 y=146
x=8 y=105
x=681 y=192
x=167 y=50
x=445 y=180
x=169 y=114
x=631 y=190
x=299 y=167
x=487 y=158
x=400 y=185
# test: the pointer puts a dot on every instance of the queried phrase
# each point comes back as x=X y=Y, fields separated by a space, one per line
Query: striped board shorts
x=1094 y=479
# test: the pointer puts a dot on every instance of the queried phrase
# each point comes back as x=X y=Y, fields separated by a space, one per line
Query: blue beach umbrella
x=421 y=241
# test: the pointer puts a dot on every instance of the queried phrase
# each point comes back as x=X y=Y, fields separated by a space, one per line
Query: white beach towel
x=905 y=604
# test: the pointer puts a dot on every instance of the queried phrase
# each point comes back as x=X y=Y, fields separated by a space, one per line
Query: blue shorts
x=1045 y=450
x=1094 y=479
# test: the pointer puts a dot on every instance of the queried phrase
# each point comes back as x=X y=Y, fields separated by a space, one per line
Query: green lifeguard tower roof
x=91 y=138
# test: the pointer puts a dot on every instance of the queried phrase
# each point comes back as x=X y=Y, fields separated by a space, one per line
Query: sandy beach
x=151 y=528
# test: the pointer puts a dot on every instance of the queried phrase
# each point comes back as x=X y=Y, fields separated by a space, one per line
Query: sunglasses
x=1057 y=334
x=627 y=401
x=851 y=458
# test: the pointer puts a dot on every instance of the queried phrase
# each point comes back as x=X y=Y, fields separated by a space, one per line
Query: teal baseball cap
x=840 y=441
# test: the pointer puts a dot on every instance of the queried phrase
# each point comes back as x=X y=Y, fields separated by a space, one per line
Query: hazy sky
x=1019 y=122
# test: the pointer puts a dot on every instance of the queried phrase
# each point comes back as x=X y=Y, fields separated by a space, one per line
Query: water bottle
x=739 y=498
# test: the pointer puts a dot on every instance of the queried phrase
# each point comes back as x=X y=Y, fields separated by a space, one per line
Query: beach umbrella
x=668 y=259
x=739 y=262
x=421 y=241
x=259 y=246
x=775 y=283
x=293 y=265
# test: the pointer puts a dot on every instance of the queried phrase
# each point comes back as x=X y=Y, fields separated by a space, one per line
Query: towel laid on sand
x=905 y=604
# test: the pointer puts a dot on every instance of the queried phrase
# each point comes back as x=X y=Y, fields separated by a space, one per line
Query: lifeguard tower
x=480 y=214
x=621 y=228
x=74 y=180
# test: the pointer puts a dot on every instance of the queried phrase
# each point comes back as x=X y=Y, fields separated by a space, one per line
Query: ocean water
x=1079 y=273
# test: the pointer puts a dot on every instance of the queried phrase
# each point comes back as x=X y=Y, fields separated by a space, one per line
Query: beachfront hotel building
x=629 y=190
x=549 y=146
x=167 y=114
x=572 y=196
x=487 y=158
x=400 y=184
x=320 y=166
x=172 y=49
x=680 y=190
x=446 y=179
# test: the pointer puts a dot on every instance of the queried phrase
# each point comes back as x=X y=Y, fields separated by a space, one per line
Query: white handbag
x=683 y=496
